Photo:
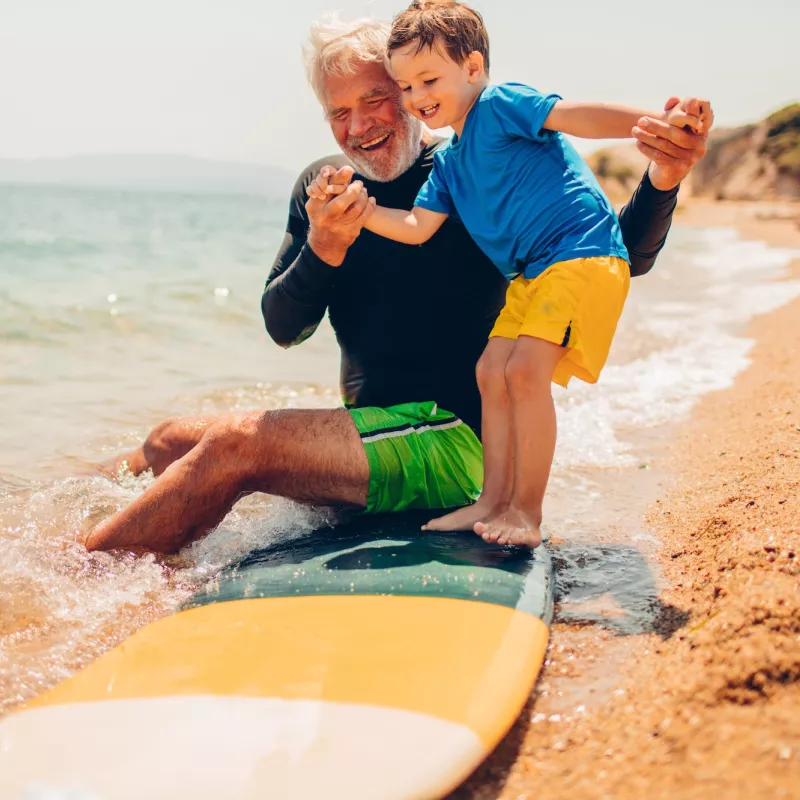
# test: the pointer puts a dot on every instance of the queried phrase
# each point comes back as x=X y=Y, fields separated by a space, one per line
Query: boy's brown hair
x=454 y=26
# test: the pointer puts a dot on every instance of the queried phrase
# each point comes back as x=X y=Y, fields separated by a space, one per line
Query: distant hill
x=149 y=172
x=760 y=161
x=619 y=169
x=753 y=162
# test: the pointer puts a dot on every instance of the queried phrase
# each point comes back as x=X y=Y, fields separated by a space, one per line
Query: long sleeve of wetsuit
x=299 y=285
x=296 y=293
x=645 y=222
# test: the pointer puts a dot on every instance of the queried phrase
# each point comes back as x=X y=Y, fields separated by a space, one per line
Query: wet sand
x=709 y=702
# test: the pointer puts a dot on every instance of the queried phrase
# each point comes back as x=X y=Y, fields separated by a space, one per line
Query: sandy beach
x=708 y=704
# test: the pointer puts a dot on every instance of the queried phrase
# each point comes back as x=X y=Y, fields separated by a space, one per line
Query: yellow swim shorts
x=575 y=304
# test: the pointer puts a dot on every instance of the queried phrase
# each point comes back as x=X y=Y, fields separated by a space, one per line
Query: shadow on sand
x=610 y=586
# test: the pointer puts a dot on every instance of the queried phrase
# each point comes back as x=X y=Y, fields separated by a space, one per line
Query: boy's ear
x=476 y=67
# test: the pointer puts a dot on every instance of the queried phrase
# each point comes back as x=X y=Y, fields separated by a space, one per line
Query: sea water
x=120 y=309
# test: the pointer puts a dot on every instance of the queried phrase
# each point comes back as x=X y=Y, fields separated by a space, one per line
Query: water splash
x=61 y=607
x=694 y=345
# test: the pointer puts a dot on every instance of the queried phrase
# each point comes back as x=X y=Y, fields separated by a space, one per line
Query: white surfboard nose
x=238 y=748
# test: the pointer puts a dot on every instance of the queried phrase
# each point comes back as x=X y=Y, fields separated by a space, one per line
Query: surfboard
x=364 y=660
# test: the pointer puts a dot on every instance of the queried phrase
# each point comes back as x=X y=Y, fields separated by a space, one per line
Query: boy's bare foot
x=510 y=527
x=462 y=519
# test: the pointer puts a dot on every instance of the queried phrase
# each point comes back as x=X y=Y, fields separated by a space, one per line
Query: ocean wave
x=699 y=347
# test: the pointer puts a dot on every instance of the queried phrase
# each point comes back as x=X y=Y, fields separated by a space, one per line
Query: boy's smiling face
x=435 y=88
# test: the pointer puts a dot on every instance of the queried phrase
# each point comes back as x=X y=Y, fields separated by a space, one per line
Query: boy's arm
x=410 y=227
x=610 y=121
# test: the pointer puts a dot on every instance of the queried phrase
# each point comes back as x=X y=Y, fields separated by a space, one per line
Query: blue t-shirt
x=523 y=193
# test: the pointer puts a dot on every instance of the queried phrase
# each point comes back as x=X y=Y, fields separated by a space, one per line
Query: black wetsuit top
x=412 y=320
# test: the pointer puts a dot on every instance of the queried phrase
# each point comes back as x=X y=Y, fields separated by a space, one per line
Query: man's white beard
x=409 y=139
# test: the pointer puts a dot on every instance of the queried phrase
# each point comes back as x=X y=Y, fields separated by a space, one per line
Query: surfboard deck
x=365 y=660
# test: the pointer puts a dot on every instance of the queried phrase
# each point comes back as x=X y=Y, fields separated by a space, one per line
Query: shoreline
x=709 y=701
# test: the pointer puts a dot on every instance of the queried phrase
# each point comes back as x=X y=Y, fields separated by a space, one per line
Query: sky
x=223 y=79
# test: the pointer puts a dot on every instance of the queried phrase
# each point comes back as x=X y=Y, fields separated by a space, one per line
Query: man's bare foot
x=110 y=469
x=510 y=527
x=132 y=463
x=462 y=519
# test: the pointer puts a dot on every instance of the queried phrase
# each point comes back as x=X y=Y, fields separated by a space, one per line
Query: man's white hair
x=336 y=47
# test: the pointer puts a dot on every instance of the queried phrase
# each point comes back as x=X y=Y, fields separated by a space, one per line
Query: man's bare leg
x=167 y=442
x=498 y=452
x=309 y=456
x=529 y=375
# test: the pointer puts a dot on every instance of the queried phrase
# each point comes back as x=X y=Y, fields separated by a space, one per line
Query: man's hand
x=336 y=221
x=672 y=150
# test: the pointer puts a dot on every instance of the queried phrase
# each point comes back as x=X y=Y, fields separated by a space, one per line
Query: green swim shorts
x=419 y=457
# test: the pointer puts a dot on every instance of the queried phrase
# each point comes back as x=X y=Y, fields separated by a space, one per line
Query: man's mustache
x=355 y=142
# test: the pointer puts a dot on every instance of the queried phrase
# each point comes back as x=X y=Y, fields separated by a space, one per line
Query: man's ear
x=476 y=66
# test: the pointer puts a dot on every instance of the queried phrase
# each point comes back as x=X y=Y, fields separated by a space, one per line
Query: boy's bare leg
x=529 y=374
x=167 y=442
x=497 y=439
x=309 y=456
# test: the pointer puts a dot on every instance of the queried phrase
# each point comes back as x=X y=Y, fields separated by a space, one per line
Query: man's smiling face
x=369 y=122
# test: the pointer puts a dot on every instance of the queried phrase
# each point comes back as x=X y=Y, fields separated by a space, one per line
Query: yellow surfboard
x=365 y=661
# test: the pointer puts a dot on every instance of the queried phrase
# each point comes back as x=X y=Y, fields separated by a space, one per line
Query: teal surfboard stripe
x=389 y=555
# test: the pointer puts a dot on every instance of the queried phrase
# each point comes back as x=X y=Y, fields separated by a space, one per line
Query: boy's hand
x=336 y=221
x=329 y=182
x=700 y=109
x=672 y=150
x=690 y=113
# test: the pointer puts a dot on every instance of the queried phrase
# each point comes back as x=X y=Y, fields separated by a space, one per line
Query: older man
x=411 y=323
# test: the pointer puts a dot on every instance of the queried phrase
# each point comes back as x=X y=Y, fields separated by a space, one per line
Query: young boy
x=531 y=203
